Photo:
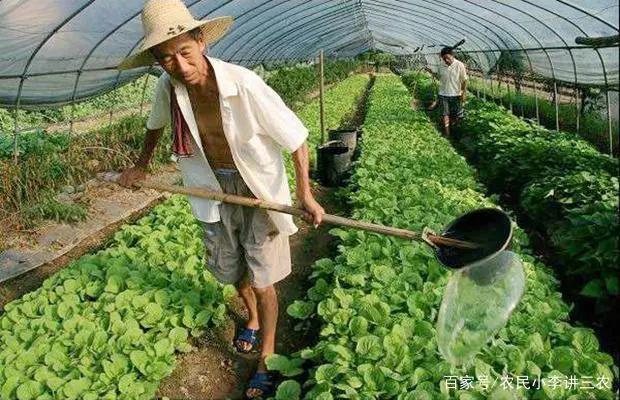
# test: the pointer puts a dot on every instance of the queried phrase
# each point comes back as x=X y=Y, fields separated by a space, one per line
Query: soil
x=31 y=280
x=34 y=255
x=215 y=370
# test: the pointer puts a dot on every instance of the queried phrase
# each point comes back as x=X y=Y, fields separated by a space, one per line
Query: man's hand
x=314 y=212
x=463 y=97
x=432 y=106
x=131 y=176
x=138 y=172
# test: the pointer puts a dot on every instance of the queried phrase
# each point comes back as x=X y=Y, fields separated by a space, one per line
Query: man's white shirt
x=257 y=125
x=450 y=78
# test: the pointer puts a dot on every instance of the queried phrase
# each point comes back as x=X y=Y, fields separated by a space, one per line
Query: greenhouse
x=358 y=199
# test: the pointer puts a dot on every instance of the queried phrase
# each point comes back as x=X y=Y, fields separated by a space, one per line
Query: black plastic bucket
x=489 y=227
x=333 y=162
x=348 y=136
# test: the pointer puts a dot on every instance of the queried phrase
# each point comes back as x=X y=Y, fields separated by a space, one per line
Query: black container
x=348 y=136
x=333 y=162
x=489 y=227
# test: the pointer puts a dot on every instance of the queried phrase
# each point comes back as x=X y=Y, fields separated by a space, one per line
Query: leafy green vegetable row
x=108 y=325
x=293 y=84
x=378 y=300
x=340 y=105
x=565 y=185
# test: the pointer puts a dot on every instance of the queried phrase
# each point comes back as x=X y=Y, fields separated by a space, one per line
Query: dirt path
x=215 y=371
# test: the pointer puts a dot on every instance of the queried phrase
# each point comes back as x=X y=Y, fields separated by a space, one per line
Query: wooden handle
x=327 y=218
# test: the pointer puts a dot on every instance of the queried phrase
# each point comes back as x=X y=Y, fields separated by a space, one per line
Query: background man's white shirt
x=450 y=78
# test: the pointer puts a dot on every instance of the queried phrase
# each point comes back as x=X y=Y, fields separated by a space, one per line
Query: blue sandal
x=262 y=381
x=246 y=335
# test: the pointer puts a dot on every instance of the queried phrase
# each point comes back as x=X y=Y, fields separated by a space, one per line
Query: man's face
x=181 y=57
x=448 y=59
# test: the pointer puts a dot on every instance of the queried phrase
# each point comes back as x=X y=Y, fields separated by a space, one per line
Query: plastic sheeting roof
x=58 y=51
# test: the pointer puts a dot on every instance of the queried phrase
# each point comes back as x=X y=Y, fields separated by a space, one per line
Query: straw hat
x=166 y=19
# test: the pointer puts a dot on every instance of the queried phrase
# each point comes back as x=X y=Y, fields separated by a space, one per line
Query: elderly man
x=452 y=89
x=228 y=131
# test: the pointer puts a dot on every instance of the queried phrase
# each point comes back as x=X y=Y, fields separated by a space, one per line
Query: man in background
x=452 y=89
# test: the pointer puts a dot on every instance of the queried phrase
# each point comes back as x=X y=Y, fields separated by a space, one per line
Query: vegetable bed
x=340 y=106
x=567 y=188
x=107 y=326
x=378 y=300
x=293 y=84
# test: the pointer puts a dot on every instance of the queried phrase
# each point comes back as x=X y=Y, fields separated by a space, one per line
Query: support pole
x=322 y=99
x=611 y=145
x=536 y=101
x=15 y=132
x=114 y=95
x=577 y=108
x=557 y=109
x=144 y=92
x=71 y=118
x=519 y=96
x=112 y=109
x=16 y=119
x=611 y=136
x=497 y=95
x=75 y=85
x=509 y=96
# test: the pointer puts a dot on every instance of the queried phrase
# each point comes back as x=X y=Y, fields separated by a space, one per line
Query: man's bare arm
x=138 y=172
x=463 y=90
x=314 y=210
x=150 y=143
